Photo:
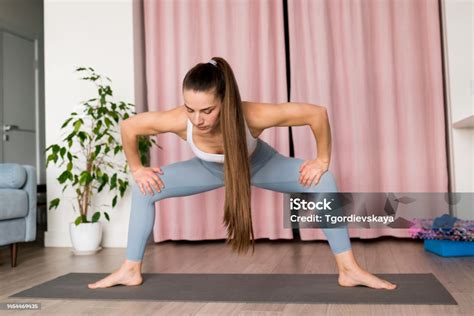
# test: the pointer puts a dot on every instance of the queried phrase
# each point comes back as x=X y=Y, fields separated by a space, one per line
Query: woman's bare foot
x=357 y=276
x=351 y=274
x=128 y=274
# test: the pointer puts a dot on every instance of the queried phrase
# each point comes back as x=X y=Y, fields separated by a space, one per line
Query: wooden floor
x=37 y=264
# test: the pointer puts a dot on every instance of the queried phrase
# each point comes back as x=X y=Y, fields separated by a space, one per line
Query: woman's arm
x=265 y=115
x=319 y=123
x=148 y=123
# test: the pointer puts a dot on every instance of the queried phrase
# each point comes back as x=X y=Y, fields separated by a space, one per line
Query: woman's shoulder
x=253 y=117
x=181 y=122
x=259 y=115
x=178 y=120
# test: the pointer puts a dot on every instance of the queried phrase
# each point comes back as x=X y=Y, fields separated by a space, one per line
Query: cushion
x=12 y=176
x=13 y=204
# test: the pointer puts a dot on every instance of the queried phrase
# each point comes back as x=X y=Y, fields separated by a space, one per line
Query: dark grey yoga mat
x=264 y=288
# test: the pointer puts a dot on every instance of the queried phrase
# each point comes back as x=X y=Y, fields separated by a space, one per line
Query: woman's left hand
x=311 y=171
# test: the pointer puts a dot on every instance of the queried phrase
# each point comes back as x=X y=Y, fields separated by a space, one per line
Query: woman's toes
x=94 y=285
x=98 y=284
x=108 y=281
x=390 y=286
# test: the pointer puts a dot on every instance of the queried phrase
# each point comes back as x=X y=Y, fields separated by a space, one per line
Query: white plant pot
x=85 y=237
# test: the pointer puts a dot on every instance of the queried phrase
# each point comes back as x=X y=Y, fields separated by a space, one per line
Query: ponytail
x=237 y=207
x=218 y=76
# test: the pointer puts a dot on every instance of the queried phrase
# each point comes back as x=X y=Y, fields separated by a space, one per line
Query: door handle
x=8 y=128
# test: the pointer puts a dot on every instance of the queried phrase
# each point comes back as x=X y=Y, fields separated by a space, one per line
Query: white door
x=18 y=87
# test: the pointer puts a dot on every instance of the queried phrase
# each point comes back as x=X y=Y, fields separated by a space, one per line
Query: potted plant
x=88 y=161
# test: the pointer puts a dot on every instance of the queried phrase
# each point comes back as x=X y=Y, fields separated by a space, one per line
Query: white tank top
x=251 y=144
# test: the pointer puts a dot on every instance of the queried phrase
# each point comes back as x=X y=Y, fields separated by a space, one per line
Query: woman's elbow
x=319 y=110
x=125 y=127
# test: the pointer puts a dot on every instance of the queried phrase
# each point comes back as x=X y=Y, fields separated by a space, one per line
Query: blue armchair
x=17 y=206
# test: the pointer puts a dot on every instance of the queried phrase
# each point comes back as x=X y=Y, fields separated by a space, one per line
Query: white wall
x=459 y=54
x=85 y=33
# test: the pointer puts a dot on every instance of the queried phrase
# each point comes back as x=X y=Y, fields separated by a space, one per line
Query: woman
x=223 y=133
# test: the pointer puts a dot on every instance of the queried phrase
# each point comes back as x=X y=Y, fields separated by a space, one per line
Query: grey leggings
x=269 y=170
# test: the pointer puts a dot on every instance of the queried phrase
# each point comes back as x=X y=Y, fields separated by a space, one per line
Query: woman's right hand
x=146 y=179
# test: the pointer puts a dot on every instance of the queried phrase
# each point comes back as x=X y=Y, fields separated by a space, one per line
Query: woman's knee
x=138 y=196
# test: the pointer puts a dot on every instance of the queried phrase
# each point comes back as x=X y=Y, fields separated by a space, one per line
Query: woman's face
x=203 y=109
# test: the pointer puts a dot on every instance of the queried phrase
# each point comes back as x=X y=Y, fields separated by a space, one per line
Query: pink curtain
x=377 y=67
x=250 y=36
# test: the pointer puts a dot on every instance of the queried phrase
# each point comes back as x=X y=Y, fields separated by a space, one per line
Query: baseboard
x=111 y=238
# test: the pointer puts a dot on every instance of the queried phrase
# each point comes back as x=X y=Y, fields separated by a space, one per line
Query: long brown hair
x=206 y=77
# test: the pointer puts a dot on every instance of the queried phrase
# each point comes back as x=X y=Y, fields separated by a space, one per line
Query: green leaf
x=51 y=157
x=107 y=216
x=113 y=182
x=66 y=122
x=95 y=217
x=123 y=188
x=114 y=201
x=115 y=116
x=104 y=179
x=77 y=125
x=64 y=176
x=84 y=219
x=82 y=136
x=55 y=148
x=97 y=149
x=76 y=180
x=78 y=220
x=70 y=136
x=96 y=130
x=62 y=152
x=117 y=149
x=108 y=122
x=85 y=178
x=99 y=136
x=54 y=203
x=69 y=166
